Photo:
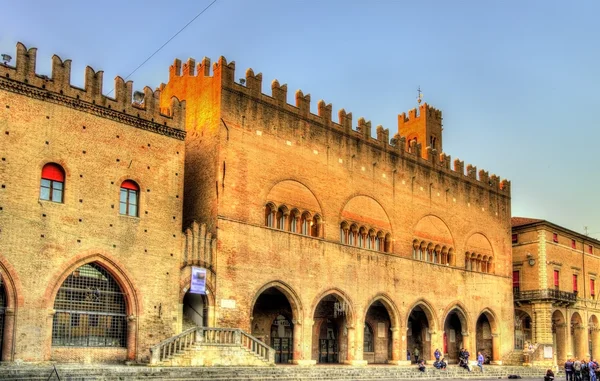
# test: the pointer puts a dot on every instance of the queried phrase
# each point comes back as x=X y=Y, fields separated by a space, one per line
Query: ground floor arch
x=484 y=337
x=578 y=340
x=455 y=328
x=195 y=310
x=272 y=321
x=333 y=330
x=523 y=334
x=377 y=337
x=3 y=302
x=593 y=337
x=559 y=336
x=418 y=333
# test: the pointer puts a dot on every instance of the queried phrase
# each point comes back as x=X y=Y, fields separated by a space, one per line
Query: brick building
x=90 y=216
x=325 y=243
x=555 y=273
x=333 y=246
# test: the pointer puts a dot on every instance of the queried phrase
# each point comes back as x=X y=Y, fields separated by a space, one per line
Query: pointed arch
x=427 y=309
x=462 y=314
x=338 y=293
x=291 y=295
x=389 y=305
x=13 y=300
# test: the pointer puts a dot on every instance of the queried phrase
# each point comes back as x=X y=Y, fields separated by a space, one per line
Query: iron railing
x=546 y=294
x=209 y=336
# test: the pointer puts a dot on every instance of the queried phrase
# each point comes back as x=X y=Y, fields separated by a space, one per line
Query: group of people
x=441 y=363
x=577 y=370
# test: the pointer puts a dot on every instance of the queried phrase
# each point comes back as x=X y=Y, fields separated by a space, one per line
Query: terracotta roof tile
x=520 y=221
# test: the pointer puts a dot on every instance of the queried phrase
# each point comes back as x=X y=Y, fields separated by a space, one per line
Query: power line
x=169 y=40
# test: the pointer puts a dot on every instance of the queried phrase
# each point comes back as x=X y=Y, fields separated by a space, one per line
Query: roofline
x=554 y=226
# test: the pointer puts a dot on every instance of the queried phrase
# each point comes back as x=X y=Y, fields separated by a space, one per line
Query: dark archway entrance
x=483 y=337
x=273 y=324
x=195 y=311
x=330 y=331
x=2 y=312
x=418 y=335
x=522 y=329
x=377 y=338
x=453 y=338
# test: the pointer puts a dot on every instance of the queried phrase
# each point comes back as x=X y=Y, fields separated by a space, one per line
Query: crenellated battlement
x=57 y=88
x=223 y=75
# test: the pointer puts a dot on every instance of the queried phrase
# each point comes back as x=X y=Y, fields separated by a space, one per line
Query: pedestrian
x=592 y=369
x=443 y=363
x=421 y=365
x=577 y=369
x=416 y=354
x=569 y=370
x=480 y=361
x=549 y=375
x=437 y=354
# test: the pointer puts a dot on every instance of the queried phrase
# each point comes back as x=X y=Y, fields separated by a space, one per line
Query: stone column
x=131 y=337
x=7 y=340
x=595 y=332
x=304 y=334
x=581 y=335
x=434 y=344
x=355 y=343
x=569 y=340
x=496 y=359
x=398 y=348
x=297 y=344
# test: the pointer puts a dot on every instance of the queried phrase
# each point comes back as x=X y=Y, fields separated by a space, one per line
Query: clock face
x=531 y=261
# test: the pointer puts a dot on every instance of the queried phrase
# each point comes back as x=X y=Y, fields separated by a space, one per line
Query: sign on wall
x=547 y=352
x=198 y=281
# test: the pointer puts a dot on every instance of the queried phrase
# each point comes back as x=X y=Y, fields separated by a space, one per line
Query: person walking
x=480 y=360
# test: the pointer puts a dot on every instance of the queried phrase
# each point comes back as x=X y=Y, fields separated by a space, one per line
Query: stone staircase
x=207 y=346
x=280 y=373
x=514 y=358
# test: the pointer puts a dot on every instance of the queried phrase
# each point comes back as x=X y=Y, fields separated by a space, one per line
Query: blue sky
x=517 y=81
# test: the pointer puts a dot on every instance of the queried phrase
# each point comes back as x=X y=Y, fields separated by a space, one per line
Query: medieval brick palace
x=320 y=243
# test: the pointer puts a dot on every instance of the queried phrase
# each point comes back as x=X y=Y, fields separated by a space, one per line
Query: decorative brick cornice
x=90 y=108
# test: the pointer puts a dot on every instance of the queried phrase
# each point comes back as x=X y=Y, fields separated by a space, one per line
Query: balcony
x=556 y=297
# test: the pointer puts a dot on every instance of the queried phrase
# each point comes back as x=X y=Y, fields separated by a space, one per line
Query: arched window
x=90 y=310
x=305 y=224
x=129 y=198
x=315 y=226
x=269 y=211
x=281 y=215
x=368 y=339
x=388 y=243
x=294 y=221
x=52 y=183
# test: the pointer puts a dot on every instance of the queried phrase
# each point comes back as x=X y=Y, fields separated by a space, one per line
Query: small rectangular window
x=515 y=238
x=573 y=244
x=556 y=277
x=593 y=288
x=555 y=237
x=590 y=249
x=574 y=282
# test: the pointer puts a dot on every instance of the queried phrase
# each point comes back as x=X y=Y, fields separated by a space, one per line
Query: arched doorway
x=418 y=334
x=330 y=330
x=454 y=326
x=578 y=344
x=522 y=329
x=2 y=312
x=91 y=310
x=272 y=322
x=195 y=310
x=559 y=336
x=483 y=337
x=377 y=338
